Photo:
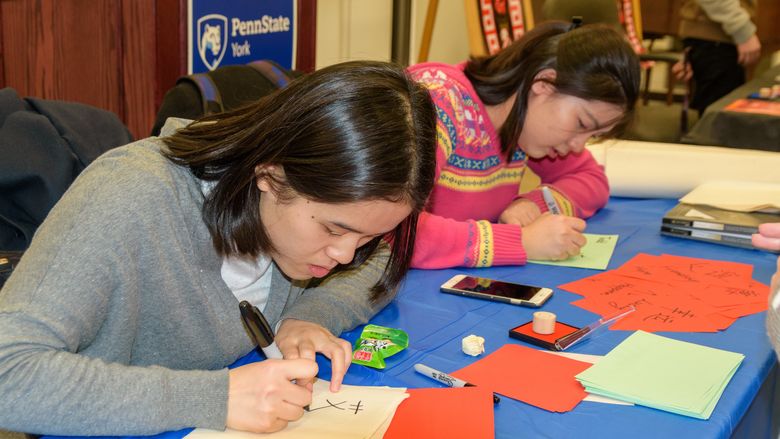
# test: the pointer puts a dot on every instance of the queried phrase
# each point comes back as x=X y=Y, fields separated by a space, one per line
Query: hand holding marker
x=261 y=332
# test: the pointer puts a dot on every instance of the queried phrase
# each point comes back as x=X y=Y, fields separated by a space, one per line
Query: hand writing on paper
x=262 y=397
x=301 y=339
x=554 y=237
x=768 y=237
x=522 y=212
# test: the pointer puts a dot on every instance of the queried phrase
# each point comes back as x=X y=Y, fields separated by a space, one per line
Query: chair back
x=624 y=15
x=495 y=24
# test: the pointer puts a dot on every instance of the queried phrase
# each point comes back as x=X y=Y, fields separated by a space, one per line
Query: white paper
x=741 y=196
x=354 y=412
x=670 y=170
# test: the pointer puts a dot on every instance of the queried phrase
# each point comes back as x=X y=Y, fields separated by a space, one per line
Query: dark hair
x=355 y=131
x=592 y=62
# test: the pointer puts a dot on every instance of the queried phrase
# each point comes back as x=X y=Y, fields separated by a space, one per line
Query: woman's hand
x=768 y=237
x=301 y=339
x=749 y=52
x=262 y=397
x=554 y=237
x=522 y=212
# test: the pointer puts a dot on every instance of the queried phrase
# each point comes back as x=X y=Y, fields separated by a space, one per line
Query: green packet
x=377 y=343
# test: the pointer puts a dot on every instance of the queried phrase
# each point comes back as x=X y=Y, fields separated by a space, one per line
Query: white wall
x=362 y=29
x=449 y=43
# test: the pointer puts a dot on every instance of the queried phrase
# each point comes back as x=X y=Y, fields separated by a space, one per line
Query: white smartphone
x=490 y=289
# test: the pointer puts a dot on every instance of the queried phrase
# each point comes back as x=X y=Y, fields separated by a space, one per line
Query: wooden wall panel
x=138 y=61
x=65 y=50
x=119 y=55
x=767 y=23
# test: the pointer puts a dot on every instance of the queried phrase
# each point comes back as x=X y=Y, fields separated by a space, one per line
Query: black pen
x=446 y=379
x=259 y=329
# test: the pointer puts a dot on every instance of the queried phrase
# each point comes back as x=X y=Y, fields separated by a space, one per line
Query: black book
x=718 y=237
x=701 y=217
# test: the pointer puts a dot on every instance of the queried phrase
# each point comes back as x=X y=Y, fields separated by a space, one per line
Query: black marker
x=448 y=380
x=259 y=329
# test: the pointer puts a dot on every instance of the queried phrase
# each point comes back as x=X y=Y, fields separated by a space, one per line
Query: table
x=736 y=129
x=437 y=322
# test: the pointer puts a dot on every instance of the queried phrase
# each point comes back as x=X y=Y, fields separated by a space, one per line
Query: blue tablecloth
x=437 y=322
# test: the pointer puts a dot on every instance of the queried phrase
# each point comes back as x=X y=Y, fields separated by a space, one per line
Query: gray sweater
x=117 y=320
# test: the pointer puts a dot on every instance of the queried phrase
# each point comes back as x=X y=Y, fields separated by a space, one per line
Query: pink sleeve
x=444 y=242
x=576 y=177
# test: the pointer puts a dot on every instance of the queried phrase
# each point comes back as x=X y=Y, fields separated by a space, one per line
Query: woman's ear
x=264 y=176
x=543 y=82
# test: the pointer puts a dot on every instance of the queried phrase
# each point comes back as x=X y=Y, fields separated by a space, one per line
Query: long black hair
x=355 y=131
x=592 y=62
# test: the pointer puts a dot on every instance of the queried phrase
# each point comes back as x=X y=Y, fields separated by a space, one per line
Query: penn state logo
x=212 y=39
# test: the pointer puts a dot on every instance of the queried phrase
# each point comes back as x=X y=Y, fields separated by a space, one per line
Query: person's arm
x=731 y=16
x=99 y=327
x=53 y=311
x=444 y=242
x=736 y=22
x=579 y=183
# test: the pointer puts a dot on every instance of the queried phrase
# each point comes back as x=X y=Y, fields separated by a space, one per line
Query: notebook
x=663 y=373
x=726 y=238
x=701 y=217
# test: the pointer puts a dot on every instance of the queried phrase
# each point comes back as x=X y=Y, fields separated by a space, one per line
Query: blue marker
x=549 y=200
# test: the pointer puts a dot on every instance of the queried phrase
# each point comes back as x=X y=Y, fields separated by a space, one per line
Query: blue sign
x=224 y=32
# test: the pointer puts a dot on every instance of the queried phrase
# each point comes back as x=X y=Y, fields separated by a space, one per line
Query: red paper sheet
x=754 y=106
x=609 y=283
x=673 y=293
x=461 y=412
x=744 y=310
x=534 y=377
x=712 y=271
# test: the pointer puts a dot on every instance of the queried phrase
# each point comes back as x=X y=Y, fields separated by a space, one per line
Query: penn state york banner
x=224 y=32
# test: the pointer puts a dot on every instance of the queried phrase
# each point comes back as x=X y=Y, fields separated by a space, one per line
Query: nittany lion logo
x=212 y=39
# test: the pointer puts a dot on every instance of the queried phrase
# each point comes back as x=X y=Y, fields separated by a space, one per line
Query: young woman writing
x=512 y=122
x=123 y=314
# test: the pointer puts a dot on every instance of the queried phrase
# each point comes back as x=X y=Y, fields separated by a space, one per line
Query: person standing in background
x=721 y=39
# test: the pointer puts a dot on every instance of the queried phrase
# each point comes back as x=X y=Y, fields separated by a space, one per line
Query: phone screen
x=496 y=288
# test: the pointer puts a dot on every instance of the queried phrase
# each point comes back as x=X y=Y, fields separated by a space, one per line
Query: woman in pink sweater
x=511 y=123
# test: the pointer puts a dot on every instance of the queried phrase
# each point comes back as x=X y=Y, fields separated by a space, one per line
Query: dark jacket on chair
x=44 y=145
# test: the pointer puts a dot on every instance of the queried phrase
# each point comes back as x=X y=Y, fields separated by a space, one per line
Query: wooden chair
x=495 y=24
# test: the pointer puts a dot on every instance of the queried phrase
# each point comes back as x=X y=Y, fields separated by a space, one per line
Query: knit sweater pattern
x=475 y=182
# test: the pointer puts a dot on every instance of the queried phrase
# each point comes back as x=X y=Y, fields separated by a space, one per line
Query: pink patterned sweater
x=475 y=183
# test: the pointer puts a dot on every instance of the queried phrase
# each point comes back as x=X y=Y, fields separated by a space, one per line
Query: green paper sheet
x=594 y=255
x=663 y=373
